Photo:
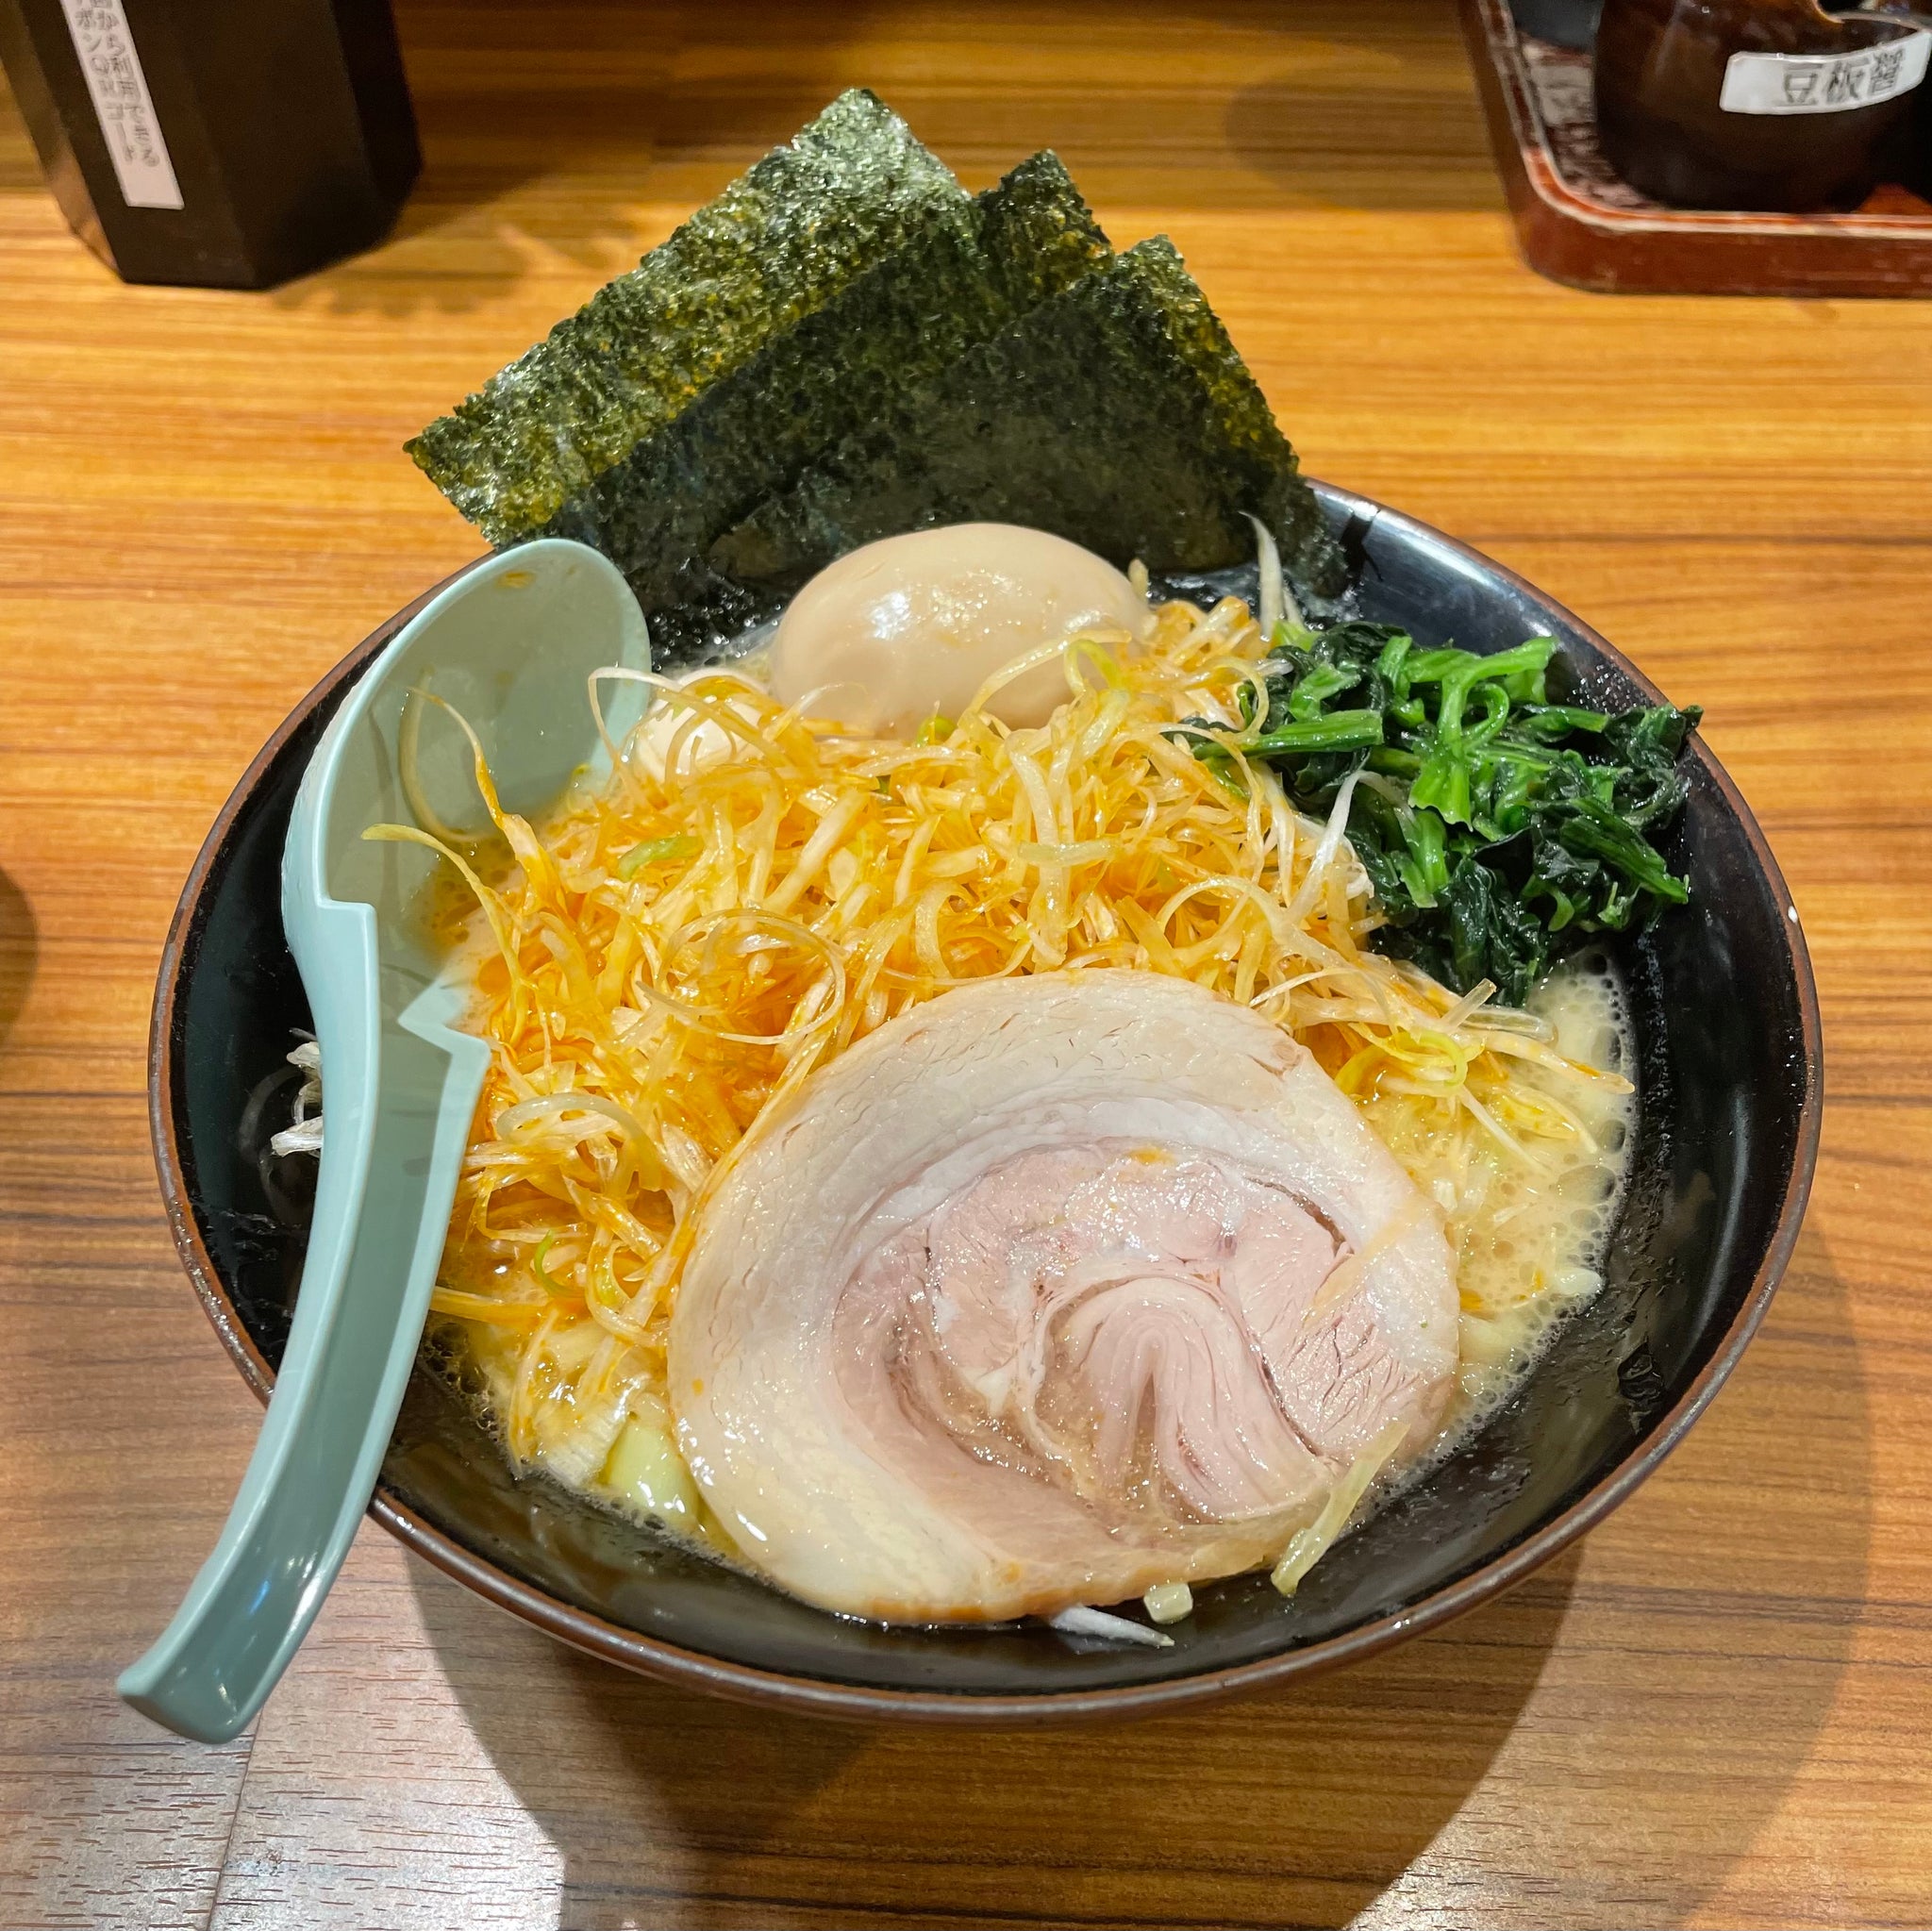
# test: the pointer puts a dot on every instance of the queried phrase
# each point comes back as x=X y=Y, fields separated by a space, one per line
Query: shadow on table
x=1297 y=1807
x=18 y=953
x=1640 y=1791
x=546 y=129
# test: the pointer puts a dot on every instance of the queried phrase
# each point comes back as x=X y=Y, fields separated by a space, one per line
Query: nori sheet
x=1116 y=413
x=774 y=246
x=970 y=273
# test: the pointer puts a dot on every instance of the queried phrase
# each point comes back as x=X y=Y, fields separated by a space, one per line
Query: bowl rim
x=584 y=1630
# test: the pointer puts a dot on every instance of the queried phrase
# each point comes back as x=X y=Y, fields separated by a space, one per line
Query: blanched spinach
x=1497 y=828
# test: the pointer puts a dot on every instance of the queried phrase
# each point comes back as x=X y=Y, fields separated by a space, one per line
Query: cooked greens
x=1497 y=828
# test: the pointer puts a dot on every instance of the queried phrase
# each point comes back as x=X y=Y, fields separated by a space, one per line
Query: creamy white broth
x=1530 y=1255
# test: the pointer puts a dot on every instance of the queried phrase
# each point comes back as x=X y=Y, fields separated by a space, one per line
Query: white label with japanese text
x=1824 y=83
x=120 y=103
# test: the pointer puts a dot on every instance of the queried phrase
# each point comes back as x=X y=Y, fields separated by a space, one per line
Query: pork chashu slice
x=1046 y=1292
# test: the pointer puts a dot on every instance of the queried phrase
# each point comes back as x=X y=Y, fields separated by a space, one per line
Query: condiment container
x=212 y=142
x=1752 y=103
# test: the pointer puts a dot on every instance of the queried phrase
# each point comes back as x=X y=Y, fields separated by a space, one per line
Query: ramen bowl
x=1729 y=1076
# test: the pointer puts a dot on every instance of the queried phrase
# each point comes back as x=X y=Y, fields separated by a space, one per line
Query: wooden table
x=1718 y=1711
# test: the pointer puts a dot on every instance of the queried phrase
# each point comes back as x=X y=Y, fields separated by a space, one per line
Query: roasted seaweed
x=1115 y=413
x=842 y=346
x=967 y=275
x=775 y=246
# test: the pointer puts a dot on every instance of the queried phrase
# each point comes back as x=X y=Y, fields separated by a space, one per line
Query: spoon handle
x=515 y=636
x=373 y=1247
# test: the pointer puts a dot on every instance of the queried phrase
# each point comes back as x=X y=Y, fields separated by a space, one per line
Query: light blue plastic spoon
x=510 y=646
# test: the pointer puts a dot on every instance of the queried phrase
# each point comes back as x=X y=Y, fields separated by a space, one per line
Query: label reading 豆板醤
x=1824 y=83
x=121 y=103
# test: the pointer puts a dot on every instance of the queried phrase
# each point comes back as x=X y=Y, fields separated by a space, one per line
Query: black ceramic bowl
x=1727 y=1025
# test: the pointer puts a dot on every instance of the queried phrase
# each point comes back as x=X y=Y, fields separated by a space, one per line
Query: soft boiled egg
x=909 y=627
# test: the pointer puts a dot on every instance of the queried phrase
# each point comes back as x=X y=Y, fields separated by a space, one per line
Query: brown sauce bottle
x=1808 y=131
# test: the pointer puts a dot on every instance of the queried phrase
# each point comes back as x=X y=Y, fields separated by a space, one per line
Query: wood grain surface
x=1717 y=1712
